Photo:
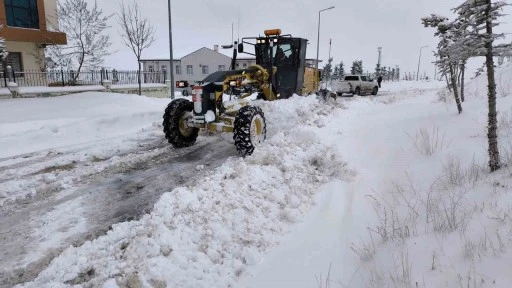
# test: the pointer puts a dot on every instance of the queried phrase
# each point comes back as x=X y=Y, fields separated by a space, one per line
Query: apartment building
x=197 y=65
x=28 y=26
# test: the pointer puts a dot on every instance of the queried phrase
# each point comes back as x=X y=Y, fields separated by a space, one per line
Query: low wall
x=150 y=90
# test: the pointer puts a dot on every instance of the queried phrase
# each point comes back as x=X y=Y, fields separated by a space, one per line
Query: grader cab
x=222 y=101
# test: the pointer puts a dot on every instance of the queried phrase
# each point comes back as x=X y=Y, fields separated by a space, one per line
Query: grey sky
x=356 y=28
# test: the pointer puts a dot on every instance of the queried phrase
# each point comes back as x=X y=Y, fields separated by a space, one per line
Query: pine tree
x=447 y=62
x=360 y=69
x=341 y=70
x=377 y=70
x=327 y=72
x=383 y=72
x=478 y=18
x=336 y=73
x=353 y=69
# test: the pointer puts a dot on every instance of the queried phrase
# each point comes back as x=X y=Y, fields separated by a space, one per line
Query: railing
x=56 y=78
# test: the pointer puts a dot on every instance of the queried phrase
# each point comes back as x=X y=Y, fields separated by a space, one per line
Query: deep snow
x=81 y=127
x=297 y=210
x=37 y=124
x=206 y=235
x=409 y=219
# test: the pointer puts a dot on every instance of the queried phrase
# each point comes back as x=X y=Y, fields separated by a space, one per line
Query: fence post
x=102 y=71
x=5 y=76
x=62 y=76
x=9 y=74
x=165 y=74
x=13 y=74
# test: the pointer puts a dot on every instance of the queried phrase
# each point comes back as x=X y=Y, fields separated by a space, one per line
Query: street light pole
x=318 y=41
x=171 y=59
x=419 y=61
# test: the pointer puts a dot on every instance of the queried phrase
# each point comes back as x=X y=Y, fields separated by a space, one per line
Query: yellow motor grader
x=221 y=101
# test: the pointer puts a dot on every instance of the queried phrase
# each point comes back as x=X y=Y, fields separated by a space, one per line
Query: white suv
x=355 y=85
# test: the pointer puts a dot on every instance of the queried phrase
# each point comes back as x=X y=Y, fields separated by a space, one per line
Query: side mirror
x=241 y=48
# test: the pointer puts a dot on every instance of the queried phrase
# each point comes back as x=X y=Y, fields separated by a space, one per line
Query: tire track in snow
x=111 y=196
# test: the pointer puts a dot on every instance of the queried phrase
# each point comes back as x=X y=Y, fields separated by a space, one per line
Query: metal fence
x=55 y=78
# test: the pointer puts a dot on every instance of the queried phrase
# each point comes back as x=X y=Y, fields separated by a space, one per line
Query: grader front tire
x=250 y=129
x=175 y=125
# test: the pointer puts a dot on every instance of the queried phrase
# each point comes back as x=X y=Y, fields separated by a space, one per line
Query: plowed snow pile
x=207 y=235
x=423 y=210
x=44 y=123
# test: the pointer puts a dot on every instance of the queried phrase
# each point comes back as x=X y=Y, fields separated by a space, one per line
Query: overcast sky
x=356 y=28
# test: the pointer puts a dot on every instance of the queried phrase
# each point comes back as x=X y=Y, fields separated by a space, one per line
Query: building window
x=190 y=70
x=245 y=65
x=178 y=69
x=22 y=13
x=222 y=67
x=237 y=65
x=151 y=68
x=14 y=60
x=205 y=69
x=164 y=67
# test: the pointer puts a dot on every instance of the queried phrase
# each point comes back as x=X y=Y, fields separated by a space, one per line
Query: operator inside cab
x=280 y=56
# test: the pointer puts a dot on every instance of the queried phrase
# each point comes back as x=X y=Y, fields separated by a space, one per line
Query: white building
x=196 y=65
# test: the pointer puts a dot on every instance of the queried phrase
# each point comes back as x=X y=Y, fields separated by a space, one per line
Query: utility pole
x=318 y=43
x=419 y=61
x=379 y=49
x=380 y=55
x=171 y=59
x=328 y=59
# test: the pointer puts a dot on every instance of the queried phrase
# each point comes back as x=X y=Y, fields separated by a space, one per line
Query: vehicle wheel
x=176 y=130
x=375 y=91
x=184 y=93
x=358 y=91
x=250 y=129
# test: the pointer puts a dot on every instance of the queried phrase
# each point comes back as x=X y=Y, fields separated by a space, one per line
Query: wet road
x=35 y=230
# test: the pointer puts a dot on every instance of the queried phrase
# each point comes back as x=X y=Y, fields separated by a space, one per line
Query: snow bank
x=477 y=87
x=46 y=123
x=439 y=218
x=423 y=210
x=45 y=89
x=207 y=235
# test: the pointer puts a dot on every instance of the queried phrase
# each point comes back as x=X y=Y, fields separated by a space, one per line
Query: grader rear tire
x=175 y=126
x=250 y=129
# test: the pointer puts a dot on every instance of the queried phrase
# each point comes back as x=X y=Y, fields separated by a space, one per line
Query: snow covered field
x=81 y=127
x=385 y=191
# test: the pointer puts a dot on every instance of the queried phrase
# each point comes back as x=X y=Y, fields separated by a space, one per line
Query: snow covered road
x=36 y=229
x=103 y=161
x=212 y=226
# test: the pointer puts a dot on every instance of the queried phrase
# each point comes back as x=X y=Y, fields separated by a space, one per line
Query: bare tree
x=137 y=32
x=85 y=27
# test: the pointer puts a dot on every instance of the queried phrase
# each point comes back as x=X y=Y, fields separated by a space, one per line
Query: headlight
x=209 y=117
x=232 y=83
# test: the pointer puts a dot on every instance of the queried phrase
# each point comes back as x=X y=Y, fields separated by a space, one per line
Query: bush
x=427 y=143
